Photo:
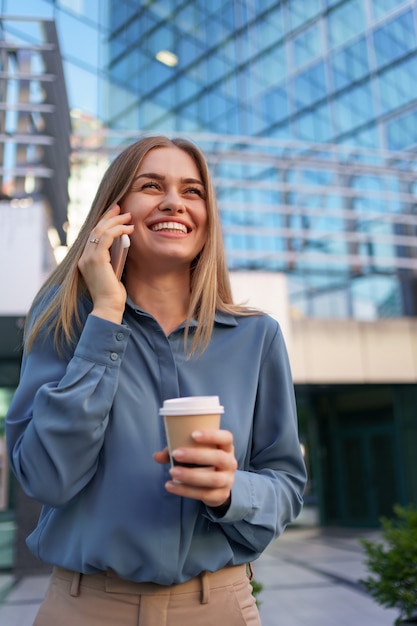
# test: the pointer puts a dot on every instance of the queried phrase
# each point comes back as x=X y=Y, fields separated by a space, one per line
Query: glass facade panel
x=271 y=68
x=394 y=39
x=299 y=12
x=314 y=126
x=86 y=8
x=402 y=131
x=269 y=29
x=310 y=86
x=40 y=8
x=82 y=87
x=381 y=7
x=353 y=108
x=345 y=22
x=350 y=64
x=306 y=46
x=396 y=86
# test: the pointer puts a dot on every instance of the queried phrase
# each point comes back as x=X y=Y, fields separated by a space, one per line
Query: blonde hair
x=209 y=281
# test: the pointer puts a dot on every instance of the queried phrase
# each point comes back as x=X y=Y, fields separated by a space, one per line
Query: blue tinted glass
x=226 y=16
x=397 y=85
x=40 y=8
x=89 y=8
x=275 y=105
x=300 y=11
x=161 y=38
x=309 y=86
x=402 y=132
x=188 y=50
x=269 y=29
x=381 y=7
x=314 y=126
x=82 y=88
x=187 y=17
x=156 y=74
x=375 y=297
x=306 y=46
x=345 y=22
x=118 y=14
x=265 y=4
x=217 y=67
x=350 y=64
x=166 y=96
x=215 y=30
x=271 y=68
x=367 y=138
x=394 y=39
x=185 y=88
x=353 y=108
x=229 y=87
x=72 y=30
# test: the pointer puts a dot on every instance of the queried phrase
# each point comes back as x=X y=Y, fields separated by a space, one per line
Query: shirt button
x=120 y=336
x=114 y=356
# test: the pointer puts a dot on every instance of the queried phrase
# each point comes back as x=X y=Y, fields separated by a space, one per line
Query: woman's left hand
x=211 y=486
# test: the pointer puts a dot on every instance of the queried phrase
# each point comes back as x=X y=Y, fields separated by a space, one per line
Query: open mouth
x=169 y=227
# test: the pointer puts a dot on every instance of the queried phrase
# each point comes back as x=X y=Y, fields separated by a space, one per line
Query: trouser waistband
x=111 y=583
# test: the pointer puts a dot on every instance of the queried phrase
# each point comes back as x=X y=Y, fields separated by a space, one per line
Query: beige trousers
x=104 y=599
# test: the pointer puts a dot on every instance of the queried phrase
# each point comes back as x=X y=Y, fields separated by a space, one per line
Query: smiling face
x=168 y=207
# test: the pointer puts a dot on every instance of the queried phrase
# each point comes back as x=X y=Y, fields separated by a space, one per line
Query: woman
x=134 y=541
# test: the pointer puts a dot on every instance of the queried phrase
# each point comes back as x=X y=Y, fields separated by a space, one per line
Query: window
x=346 y=22
x=353 y=108
x=394 y=39
x=307 y=46
x=350 y=64
x=402 y=132
x=397 y=85
x=309 y=87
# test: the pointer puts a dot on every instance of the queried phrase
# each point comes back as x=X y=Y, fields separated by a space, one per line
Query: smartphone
x=118 y=254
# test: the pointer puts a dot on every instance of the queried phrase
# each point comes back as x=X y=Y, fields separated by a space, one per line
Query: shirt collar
x=221 y=318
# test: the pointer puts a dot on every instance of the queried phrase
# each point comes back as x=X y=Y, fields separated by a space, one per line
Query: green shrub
x=256 y=590
x=393 y=563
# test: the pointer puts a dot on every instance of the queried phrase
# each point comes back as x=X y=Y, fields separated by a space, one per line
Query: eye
x=195 y=191
x=150 y=185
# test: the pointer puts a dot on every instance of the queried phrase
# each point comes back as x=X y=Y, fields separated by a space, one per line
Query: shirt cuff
x=102 y=341
x=242 y=500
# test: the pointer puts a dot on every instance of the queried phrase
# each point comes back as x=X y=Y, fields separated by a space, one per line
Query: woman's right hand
x=107 y=292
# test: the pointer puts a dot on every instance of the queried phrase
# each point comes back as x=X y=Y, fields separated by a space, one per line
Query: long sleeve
x=267 y=492
x=59 y=414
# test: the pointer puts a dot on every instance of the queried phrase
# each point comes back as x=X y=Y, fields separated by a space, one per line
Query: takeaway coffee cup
x=182 y=416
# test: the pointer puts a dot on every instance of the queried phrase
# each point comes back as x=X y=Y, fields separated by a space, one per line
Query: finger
x=208 y=457
x=161 y=456
x=214 y=437
x=201 y=477
x=212 y=497
x=112 y=226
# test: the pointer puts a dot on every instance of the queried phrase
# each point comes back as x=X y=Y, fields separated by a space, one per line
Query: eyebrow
x=160 y=177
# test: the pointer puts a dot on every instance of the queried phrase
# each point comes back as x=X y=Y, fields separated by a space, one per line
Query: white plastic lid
x=204 y=405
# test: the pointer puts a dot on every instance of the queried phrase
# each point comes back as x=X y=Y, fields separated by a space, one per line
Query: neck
x=166 y=298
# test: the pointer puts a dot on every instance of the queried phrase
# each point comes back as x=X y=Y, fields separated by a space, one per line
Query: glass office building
x=307 y=112
x=261 y=86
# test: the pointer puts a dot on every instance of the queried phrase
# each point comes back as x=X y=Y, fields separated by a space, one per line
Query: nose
x=172 y=202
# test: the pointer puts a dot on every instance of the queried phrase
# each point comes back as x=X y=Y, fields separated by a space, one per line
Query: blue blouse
x=81 y=431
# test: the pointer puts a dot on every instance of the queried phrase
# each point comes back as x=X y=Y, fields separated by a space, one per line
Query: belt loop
x=75 y=584
x=205 y=588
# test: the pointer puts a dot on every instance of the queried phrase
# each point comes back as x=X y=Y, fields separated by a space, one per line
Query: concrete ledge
x=350 y=351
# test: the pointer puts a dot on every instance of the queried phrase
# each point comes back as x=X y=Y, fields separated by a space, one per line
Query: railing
x=35 y=125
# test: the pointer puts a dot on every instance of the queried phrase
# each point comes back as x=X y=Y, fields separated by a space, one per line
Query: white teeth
x=169 y=226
